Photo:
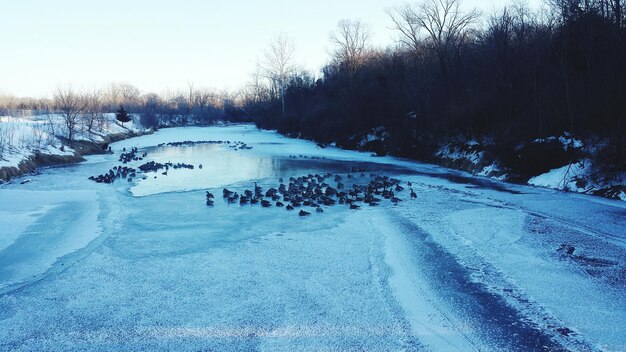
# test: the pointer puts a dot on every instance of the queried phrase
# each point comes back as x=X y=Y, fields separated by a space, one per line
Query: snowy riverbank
x=27 y=143
x=560 y=162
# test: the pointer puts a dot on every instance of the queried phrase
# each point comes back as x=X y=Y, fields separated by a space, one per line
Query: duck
x=233 y=197
x=304 y=213
x=257 y=190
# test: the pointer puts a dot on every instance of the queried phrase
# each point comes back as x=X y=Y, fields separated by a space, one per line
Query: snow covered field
x=470 y=264
x=20 y=138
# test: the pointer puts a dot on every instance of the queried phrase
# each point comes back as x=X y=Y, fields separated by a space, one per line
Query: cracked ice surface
x=471 y=264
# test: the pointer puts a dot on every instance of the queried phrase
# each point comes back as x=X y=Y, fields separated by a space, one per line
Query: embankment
x=81 y=148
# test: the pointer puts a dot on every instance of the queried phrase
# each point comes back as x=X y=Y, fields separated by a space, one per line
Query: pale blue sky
x=163 y=44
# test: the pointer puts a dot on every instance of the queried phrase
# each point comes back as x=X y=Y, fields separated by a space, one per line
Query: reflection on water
x=222 y=166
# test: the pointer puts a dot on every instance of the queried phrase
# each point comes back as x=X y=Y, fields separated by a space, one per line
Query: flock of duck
x=308 y=193
x=306 y=157
x=125 y=172
x=115 y=173
x=239 y=146
x=153 y=166
x=127 y=157
x=236 y=145
x=129 y=173
x=311 y=192
x=121 y=171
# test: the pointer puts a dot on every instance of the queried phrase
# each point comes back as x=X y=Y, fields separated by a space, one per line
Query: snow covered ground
x=562 y=177
x=471 y=264
x=581 y=176
x=577 y=177
x=22 y=137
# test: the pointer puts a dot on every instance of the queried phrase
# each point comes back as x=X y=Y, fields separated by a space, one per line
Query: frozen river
x=471 y=264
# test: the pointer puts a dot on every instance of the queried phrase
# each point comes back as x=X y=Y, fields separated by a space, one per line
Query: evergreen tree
x=122 y=116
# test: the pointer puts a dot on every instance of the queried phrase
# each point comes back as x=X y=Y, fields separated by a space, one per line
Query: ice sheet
x=39 y=227
x=163 y=271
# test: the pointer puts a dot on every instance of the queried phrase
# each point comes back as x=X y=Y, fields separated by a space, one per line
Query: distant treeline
x=195 y=105
x=517 y=77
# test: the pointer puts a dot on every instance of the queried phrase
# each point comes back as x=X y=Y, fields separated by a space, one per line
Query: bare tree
x=116 y=94
x=7 y=137
x=255 y=89
x=92 y=116
x=70 y=105
x=616 y=8
x=279 y=64
x=111 y=96
x=131 y=96
x=7 y=103
x=191 y=100
x=351 y=39
x=405 y=21
x=569 y=10
x=446 y=26
x=227 y=99
x=201 y=102
x=151 y=110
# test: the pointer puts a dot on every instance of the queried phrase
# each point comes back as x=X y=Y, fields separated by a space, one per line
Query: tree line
x=86 y=111
x=514 y=77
